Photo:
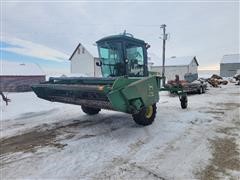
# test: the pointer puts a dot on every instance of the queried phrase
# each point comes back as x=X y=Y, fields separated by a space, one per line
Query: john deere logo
x=150 y=91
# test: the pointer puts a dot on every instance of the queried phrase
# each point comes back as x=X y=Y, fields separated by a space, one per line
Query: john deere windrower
x=125 y=84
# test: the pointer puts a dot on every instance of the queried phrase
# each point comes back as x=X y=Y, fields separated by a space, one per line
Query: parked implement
x=125 y=86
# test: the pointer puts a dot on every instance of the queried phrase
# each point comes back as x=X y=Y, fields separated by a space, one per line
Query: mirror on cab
x=99 y=63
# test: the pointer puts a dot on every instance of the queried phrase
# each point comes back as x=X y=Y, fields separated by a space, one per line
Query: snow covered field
x=45 y=140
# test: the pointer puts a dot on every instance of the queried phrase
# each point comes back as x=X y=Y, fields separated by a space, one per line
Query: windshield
x=112 y=59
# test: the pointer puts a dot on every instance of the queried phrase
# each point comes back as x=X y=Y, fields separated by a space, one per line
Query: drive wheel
x=184 y=101
x=90 y=110
x=146 y=116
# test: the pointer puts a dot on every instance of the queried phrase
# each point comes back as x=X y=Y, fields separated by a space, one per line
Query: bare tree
x=5 y=98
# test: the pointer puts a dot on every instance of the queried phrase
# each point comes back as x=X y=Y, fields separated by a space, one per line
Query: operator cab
x=122 y=55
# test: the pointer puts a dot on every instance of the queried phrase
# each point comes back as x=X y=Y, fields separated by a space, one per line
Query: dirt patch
x=237 y=94
x=229 y=105
x=28 y=142
x=225 y=157
x=136 y=145
x=225 y=106
x=221 y=109
x=122 y=169
x=197 y=121
x=218 y=118
x=39 y=138
x=148 y=171
x=225 y=153
x=231 y=131
x=52 y=135
x=214 y=112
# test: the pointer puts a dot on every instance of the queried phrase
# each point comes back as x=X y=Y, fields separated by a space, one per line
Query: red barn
x=18 y=77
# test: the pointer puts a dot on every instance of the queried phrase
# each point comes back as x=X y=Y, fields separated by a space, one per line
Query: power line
x=73 y=22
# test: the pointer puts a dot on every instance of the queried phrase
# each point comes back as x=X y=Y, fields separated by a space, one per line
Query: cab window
x=112 y=59
x=135 y=59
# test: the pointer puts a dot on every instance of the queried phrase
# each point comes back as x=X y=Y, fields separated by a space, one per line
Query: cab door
x=135 y=58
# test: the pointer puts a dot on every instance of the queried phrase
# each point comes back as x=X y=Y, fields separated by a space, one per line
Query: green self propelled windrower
x=125 y=85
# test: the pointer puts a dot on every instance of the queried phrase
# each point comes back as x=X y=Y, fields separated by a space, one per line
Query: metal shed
x=177 y=65
x=18 y=77
x=230 y=65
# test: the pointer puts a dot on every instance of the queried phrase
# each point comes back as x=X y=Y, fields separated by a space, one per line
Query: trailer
x=195 y=87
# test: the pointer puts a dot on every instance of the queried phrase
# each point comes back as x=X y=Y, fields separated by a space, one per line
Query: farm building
x=181 y=66
x=84 y=62
x=18 y=77
x=230 y=65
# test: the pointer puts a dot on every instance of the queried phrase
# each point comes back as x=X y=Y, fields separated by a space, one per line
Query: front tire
x=90 y=110
x=146 y=116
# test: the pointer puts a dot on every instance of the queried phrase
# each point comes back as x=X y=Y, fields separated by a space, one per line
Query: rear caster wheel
x=200 y=90
x=90 y=110
x=146 y=116
x=203 y=89
x=184 y=101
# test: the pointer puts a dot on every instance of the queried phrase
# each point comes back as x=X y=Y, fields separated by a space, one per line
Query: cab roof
x=121 y=37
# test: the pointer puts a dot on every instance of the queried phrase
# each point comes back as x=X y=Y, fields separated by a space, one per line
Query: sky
x=47 y=32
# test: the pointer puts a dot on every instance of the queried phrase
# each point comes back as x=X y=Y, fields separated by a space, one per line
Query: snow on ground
x=40 y=139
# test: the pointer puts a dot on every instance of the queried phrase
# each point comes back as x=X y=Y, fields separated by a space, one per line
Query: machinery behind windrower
x=125 y=84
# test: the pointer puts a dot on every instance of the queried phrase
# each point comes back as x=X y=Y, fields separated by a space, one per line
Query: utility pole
x=163 y=26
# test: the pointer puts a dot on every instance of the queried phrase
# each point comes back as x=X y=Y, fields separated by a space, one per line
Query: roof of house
x=231 y=58
x=177 y=61
x=20 y=69
x=91 y=49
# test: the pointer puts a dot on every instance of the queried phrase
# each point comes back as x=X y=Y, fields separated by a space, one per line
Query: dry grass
x=225 y=157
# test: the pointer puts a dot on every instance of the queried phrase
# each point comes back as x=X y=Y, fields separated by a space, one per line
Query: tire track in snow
x=53 y=134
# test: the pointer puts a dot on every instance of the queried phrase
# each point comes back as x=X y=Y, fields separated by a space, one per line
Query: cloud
x=196 y=28
x=28 y=48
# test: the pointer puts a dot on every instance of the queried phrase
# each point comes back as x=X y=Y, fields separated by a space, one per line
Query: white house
x=84 y=62
x=176 y=65
x=230 y=65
